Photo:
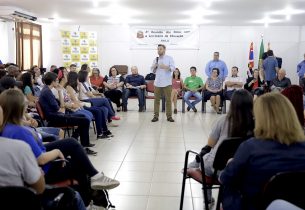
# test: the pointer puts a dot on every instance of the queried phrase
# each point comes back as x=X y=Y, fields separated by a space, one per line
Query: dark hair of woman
x=82 y=76
x=112 y=67
x=178 y=74
x=72 y=80
x=216 y=69
x=84 y=67
x=240 y=115
x=26 y=80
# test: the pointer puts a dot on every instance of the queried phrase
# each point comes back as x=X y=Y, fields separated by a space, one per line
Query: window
x=29 y=45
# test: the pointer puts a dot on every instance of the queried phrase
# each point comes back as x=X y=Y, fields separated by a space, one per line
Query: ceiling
x=165 y=12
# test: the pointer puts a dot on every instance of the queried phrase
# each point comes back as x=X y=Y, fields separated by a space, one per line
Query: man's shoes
x=188 y=108
x=155 y=119
x=90 y=152
x=91 y=145
x=170 y=119
x=102 y=182
x=108 y=133
x=140 y=109
x=118 y=109
x=175 y=111
x=219 y=112
x=194 y=109
x=103 y=136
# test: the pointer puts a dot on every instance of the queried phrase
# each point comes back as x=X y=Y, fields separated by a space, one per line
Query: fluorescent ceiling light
x=199 y=11
x=267 y=20
x=95 y=3
x=191 y=21
x=288 y=11
x=123 y=21
x=54 y=20
x=115 y=10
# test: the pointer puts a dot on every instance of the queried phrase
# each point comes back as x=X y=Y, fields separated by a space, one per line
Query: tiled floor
x=147 y=158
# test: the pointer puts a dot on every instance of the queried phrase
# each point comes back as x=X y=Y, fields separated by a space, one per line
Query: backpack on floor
x=101 y=198
x=59 y=198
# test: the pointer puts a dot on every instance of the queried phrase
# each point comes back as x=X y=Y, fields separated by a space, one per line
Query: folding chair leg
x=94 y=127
x=205 y=197
x=204 y=186
x=224 y=107
x=219 y=198
x=184 y=180
x=183 y=105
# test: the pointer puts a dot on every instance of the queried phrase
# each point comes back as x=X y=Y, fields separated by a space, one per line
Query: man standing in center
x=163 y=66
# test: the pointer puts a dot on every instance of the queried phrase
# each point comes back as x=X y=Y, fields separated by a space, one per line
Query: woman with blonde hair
x=278 y=145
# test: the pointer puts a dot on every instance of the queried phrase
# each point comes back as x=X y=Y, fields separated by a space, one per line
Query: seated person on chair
x=47 y=133
x=114 y=86
x=96 y=80
x=80 y=167
x=255 y=84
x=278 y=145
x=135 y=85
x=100 y=115
x=281 y=81
x=233 y=83
x=28 y=89
x=55 y=112
x=237 y=123
x=214 y=90
x=192 y=85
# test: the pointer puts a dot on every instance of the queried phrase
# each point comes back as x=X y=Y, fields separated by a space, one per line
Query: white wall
x=7 y=42
x=232 y=42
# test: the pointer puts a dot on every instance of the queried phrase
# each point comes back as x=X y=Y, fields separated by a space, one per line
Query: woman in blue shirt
x=13 y=104
x=278 y=146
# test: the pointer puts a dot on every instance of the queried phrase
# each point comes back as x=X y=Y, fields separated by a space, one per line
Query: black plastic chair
x=288 y=186
x=226 y=150
x=16 y=198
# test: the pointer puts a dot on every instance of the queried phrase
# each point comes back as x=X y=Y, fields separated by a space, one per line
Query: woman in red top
x=255 y=84
x=96 y=79
x=177 y=84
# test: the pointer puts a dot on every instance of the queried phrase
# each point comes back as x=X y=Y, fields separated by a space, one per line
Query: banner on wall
x=79 y=48
x=173 y=37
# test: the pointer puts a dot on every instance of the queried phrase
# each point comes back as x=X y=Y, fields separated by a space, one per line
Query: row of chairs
x=288 y=186
x=148 y=94
x=67 y=128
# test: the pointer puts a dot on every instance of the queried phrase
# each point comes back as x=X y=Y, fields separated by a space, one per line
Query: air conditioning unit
x=14 y=14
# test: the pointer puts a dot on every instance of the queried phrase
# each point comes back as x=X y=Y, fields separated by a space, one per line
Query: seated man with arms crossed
x=233 y=83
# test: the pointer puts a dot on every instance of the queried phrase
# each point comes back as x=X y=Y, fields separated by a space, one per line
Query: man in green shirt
x=192 y=85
